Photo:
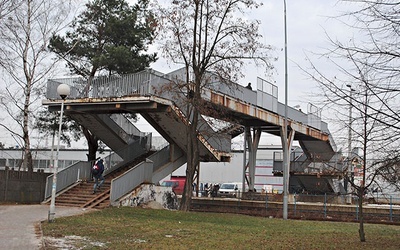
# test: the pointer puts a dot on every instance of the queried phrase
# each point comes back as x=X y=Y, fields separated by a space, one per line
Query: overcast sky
x=307 y=21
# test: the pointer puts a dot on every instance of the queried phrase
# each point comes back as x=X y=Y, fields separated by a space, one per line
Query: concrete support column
x=287 y=140
x=253 y=141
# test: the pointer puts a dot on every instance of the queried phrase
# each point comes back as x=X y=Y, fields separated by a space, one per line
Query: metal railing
x=126 y=125
x=81 y=170
x=143 y=171
x=68 y=176
x=267 y=95
x=151 y=82
x=326 y=206
x=129 y=180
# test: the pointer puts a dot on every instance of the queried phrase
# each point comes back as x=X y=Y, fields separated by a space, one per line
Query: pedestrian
x=249 y=86
x=97 y=171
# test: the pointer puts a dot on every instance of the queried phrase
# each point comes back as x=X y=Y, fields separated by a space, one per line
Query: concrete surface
x=17 y=224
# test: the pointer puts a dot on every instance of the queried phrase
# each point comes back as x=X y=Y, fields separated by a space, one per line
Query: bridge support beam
x=252 y=140
x=287 y=140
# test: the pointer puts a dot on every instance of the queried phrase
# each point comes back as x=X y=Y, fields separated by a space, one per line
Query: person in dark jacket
x=97 y=172
x=249 y=86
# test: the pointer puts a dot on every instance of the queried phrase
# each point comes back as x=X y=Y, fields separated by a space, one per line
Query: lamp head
x=63 y=90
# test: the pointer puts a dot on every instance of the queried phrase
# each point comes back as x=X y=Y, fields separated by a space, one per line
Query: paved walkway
x=17 y=224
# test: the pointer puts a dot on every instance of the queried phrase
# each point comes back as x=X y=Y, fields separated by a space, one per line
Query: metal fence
x=267 y=95
x=312 y=207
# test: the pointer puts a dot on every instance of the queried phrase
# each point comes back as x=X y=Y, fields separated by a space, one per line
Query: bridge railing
x=105 y=86
x=152 y=82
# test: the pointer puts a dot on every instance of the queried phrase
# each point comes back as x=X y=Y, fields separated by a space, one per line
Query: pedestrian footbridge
x=104 y=104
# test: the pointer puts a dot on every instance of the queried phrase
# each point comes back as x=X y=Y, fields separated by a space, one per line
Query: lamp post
x=285 y=141
x=349 y=137
x=63 y=90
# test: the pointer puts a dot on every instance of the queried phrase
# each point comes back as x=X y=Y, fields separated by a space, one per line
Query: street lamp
x=63 y=90
x=285 y=139
x=350 y=134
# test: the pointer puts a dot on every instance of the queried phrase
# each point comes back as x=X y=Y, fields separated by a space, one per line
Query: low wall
x=150 y=195
x=22 y=186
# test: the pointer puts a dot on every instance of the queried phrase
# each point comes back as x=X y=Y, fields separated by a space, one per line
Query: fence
x=22 y=186
x=322 y=207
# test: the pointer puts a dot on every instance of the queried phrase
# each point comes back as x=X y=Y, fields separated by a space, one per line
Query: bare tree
x=369 y=65
x=26 y=62
x=7 y=6
x=208 y=36
x=371 y=127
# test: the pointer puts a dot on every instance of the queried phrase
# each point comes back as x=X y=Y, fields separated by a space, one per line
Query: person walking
x=97 y=171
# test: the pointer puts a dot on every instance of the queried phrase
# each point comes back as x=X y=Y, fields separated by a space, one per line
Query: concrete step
x=82 y=195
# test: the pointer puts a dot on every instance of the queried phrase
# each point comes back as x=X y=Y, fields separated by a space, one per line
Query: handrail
x=151 y=82
x=67 y=176
x=140 y=173
x=132 y=178
x=81 y=170
x=131 y=152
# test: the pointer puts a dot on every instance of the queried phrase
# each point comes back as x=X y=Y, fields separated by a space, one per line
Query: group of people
x=209 y=189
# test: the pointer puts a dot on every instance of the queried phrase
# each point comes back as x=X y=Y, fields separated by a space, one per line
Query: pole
x=350 y=166
x=285 y=141
x=244 y=160
x=350 y=122
x=52 y=211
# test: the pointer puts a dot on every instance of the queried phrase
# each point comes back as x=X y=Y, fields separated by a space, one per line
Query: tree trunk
x=361 y=217
x=27 y=146
x=93 y=144
x=192 y=163
x=192 y=146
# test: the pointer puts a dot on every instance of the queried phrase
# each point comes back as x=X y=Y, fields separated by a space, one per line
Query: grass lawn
x=138 y=228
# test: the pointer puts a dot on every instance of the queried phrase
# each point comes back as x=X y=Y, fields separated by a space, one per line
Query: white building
x=220 y=172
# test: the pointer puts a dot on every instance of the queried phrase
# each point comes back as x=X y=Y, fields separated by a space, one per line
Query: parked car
x=177 y=183
x=232 y=189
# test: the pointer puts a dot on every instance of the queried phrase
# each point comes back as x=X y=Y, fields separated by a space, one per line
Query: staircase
x=81 y=194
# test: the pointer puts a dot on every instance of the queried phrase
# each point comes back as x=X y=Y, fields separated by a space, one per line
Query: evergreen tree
x=108 y=38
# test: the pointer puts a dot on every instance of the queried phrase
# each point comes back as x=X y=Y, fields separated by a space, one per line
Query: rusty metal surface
x=243 y=109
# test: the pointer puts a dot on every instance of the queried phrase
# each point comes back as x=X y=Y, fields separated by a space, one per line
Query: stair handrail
x=68 y=176
x=132 y=178
x=132 y=151
x=138 y=175
x=81 y=170
x=126 y=125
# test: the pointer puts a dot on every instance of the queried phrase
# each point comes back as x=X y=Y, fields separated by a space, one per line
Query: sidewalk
x=17 y=224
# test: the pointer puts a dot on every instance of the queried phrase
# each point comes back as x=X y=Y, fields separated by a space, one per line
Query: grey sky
x=307 y=21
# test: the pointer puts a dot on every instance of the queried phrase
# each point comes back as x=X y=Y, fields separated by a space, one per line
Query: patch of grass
x=138 y=228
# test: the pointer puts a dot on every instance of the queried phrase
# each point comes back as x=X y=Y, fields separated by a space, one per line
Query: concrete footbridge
x=102 y=106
